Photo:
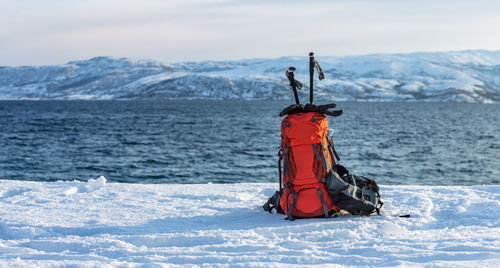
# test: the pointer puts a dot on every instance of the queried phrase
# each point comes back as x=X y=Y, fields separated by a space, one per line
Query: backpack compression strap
x=286 y=164
x=325 y=208
x=280 y=157
x=289 y=216
x=331 y=147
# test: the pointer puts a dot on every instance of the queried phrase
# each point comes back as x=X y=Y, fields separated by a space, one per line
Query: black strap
x=316 y=151
x=326 y=165
x=331 y=147
x=289 y=216
x=285 y=167
x=335 y=153
x=280 y=157
x=325 y=208
x=300 y=108
x=334 y=113
x=327 y=106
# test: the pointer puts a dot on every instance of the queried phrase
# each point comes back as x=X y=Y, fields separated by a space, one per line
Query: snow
x=470 y=76
x=96 y=223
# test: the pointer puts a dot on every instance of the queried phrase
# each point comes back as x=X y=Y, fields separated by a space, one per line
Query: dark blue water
x=236 y=141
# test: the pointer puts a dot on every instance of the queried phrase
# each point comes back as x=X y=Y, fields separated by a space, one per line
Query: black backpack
x=356 y=194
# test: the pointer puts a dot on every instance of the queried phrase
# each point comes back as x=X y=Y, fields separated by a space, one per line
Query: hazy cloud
x=56 y=31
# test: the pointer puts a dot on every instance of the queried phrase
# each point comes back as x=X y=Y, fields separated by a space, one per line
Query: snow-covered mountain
x=471 y=76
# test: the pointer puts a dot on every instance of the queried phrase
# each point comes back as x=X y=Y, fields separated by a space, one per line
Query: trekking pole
x=293 y=82
x=313 y=64
x=311 y=74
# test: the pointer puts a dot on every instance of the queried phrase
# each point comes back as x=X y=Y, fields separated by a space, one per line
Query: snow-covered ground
x=98 y=223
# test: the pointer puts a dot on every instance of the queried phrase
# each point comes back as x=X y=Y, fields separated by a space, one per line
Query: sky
x=34 y=32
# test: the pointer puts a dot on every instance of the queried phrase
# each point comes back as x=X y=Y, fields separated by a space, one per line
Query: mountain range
x=459 y=76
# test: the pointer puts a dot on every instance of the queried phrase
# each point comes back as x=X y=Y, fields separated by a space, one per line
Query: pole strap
x=321 y=75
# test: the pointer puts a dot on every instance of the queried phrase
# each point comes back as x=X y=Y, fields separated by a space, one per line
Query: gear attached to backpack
x=356 y=194
x=311 y=181
x=322 y=109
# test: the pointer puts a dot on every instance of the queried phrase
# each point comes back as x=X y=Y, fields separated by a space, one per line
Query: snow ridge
x=468 y=76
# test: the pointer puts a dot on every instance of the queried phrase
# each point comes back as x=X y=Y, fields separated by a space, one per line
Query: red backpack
x=307 y=156
x=307 y=160
x=312 y=184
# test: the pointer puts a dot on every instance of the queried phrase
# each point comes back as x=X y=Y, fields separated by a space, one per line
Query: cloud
x=48 y=32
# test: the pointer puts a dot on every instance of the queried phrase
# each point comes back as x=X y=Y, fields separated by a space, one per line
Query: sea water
x=237 y=141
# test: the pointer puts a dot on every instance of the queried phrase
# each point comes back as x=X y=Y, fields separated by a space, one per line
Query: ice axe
x=313 y=64
x=293 y=83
